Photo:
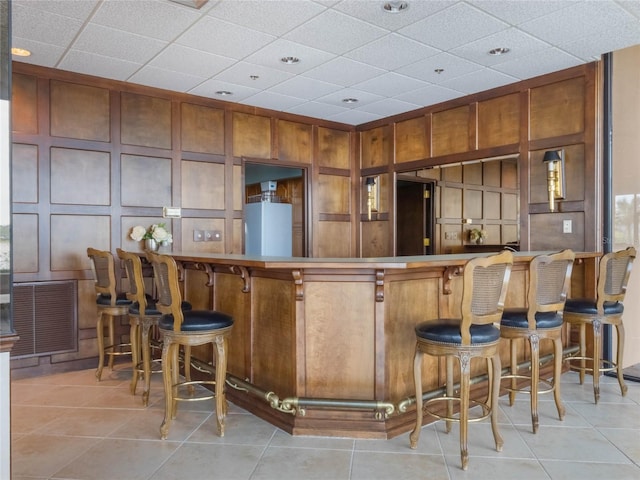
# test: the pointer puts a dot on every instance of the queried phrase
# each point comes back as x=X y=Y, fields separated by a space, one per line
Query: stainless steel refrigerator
x=268 y=229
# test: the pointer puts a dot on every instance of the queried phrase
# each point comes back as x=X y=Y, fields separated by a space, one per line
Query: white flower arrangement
x=476 y=234
x=157 y=232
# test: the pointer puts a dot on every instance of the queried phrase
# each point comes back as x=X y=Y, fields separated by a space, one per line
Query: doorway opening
x=414 y=216
x=290 y=187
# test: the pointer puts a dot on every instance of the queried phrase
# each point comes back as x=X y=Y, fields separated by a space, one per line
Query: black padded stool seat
x=484 y=288
x=111 y=304
x=606 y=309
x=198 y=320
x=549 y=277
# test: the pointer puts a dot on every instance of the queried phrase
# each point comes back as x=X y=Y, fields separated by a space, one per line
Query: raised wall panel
x=473 y=204
x=557 y=109
x=294 y=142
x=546 y=231
x=510 y=234
x=451 y=202
x=202 y=185
x=24 y=173
x=145 y=121
x=25 y=251
x=491 y=205
x=80 y=177
x=492 y=174
x=202 y=129
x=375 y=147
x=251 y=136
x=509 y=206
x=328 y=233
x=80 y=111
x=450 y=131
x=127 y=224
x=237 y=188
x=452 y=174
x=24 y=104
x=375 y=239
x=499 y=121
x=191 y=224
x=412 y=141
x=334 y=148
x=333 y=194
x=510 y=174
x=72 y=234
x=145 y=181
x=472 y=174
x=347 y=367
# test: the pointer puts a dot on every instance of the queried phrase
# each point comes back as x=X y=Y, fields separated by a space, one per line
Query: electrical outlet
x=450 y=235
x=566 y=226
x=198 y=235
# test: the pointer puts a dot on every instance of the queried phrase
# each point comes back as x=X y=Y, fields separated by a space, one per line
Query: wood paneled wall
x=522 y=120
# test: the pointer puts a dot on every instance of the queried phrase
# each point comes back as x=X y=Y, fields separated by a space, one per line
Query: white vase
x=151 y=245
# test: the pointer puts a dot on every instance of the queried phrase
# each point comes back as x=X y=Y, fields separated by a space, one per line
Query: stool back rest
x=104 y=273
x=549 y=281
x=165 y=274
x=133 y=268
x=615 y=269
x=485 y=281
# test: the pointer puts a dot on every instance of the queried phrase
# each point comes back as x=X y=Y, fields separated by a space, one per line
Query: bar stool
x=484 y=288
x=606 y=308
x=110 y=303
x=549 y=280
x=187 y=328
x=143 y=315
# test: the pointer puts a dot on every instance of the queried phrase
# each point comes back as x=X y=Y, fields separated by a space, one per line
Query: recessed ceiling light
x=224 y=92
x=289 y=60
x=350 y=100
x=439 y=70
x=395 y=7
x=20 y=52
x=254 y=77
x=499 y=51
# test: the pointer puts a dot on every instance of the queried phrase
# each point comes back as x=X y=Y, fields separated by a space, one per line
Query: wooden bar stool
x=484 y=285
x=549 y=280
x=143 y=315
x=606 y=308
x=110 y=303
x=187 y=328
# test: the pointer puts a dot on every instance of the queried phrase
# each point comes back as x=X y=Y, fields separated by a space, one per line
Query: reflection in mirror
x=476 y=205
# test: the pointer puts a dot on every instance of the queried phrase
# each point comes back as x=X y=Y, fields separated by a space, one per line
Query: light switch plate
x=566 y=226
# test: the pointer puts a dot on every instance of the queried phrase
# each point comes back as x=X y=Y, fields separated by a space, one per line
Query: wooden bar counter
x=325 y=346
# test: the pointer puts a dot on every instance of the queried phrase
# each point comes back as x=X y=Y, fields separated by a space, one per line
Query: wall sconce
x=555 y=176
x=372 y=195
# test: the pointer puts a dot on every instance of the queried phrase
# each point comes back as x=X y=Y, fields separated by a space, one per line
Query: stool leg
x=187 y=368
x=100 y=338
x=112 y=340
x=449 y=374
x=146 y=360
x=221 y=375
x=619 y=358
x=417 y=380
x=557 y=373
x=583 y=351
x=135 y=352
x=534 y=341
x=495 y=392
x=169 y=351
x=597 y=346
x=514 y=371
x=464 y=406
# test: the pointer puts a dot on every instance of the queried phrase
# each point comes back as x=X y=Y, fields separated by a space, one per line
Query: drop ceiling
x=390 y=63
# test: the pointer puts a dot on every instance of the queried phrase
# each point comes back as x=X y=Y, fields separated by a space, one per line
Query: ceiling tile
x=450 y=65
x=430 y=95
x=190 y=61
x=390 y=84
x=118 y=44
x=272 y=101
x=42 y=54
x=210 y=87
x=391 y=52
x=316 y=109
x=167 y=79
x=223 y=38
x=347 y=33
x=77 y=10
x=273 y=17
x=271 y=54
x=590 y=48
x=241 y=73
x=547 y=61
x=454 y=26
x=98 y=65
x=388 y=107
x=354 y=117
x=336 y=98
x=343 y=71
x=42 y=26
x=163 y=20
x=478 y=81
x=517 y=12
x=304 y=87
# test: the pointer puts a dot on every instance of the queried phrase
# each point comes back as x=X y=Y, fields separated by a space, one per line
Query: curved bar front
x=325 y=346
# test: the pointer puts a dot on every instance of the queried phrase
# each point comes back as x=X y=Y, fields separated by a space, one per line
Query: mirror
x=480 y=195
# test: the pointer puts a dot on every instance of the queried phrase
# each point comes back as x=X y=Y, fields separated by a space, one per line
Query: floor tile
x=280 y=463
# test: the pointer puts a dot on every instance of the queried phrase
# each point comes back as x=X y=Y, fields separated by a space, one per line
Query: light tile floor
x=67 y=426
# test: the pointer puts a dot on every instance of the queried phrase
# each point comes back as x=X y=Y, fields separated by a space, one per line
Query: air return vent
x=45 y=318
